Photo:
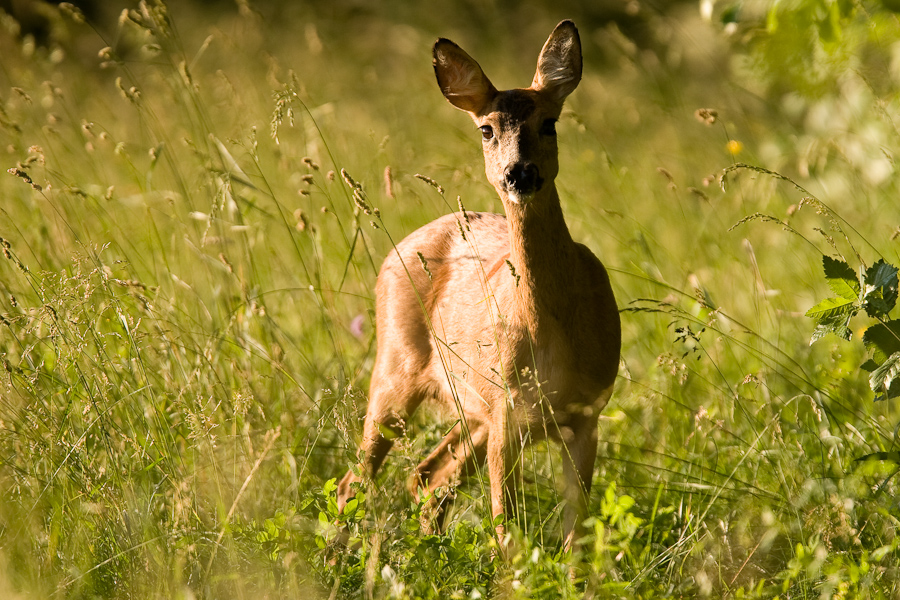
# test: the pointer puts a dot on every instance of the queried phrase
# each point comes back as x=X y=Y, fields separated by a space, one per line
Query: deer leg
x=502 y=460
x=388 y=407
x=579 y=454
x=456 y=458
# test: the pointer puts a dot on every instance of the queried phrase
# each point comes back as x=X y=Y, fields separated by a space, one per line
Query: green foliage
x=876 y=294
x=187 y=295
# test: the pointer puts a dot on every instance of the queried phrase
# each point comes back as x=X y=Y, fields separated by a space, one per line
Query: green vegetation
x=186 y=299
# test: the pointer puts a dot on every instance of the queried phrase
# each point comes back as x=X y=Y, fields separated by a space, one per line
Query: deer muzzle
x=522 y=180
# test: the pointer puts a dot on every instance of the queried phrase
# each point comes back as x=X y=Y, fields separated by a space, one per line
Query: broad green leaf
x=841 y=278
x=350 y=507
x=881 y=289
x=883 y=340
x=831 y=309
x=882 y=274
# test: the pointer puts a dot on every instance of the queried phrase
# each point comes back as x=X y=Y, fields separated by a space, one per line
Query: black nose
x=524 y=178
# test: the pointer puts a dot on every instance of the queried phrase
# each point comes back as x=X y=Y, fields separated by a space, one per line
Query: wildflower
x=706 y=115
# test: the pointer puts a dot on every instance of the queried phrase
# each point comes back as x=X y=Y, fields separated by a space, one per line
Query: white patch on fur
x=520 y=199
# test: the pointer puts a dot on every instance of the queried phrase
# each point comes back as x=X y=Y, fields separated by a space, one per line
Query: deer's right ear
x=559 y=65
x=461 y=79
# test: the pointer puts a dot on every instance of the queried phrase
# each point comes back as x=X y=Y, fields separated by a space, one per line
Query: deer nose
x=523 y=178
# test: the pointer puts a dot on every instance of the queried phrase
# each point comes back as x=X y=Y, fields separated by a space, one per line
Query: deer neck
x=543 y=254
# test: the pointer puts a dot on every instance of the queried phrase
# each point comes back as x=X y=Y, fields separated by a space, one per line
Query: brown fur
x=515 y=360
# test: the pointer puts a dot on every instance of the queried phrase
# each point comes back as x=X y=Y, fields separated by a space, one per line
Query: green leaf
x=831 y=309
x=841 y=278
x=881 y=378
x=883 y=340
x=350 y=507
x=881 y=289
x=839 y=329
x=882 y=274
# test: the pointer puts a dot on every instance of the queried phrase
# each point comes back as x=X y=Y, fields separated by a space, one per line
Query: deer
x=505 y=322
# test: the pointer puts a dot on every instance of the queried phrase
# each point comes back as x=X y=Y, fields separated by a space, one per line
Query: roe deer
x=506 y=321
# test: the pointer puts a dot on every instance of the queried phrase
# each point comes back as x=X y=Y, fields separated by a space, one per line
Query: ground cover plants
x=197 y=202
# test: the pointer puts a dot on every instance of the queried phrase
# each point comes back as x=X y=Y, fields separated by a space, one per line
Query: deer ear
x=461 y=79
x=559 y=66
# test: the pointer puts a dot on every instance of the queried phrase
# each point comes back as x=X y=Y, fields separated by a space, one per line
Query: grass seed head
x=665 y=173
x=462 y=230
x=431 y=182
x=24 y=177
x=512 y=270
x=424 y=264
x=462 y=209
x=388 y=182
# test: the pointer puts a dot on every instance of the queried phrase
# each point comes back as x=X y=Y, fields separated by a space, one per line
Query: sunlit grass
x=187 y=314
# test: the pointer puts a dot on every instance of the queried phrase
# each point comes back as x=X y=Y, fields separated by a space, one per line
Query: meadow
x=187 y=298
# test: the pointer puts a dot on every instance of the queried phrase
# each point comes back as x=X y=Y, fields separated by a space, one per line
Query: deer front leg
x=391 y=402
x=496 y=462
x=579 y=453
x=502 y=463
x=457 y=457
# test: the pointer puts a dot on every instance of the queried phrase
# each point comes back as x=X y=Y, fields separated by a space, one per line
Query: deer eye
x=487 y=132
x=548 y=127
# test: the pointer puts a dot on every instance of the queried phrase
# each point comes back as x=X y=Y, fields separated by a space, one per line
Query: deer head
x=518 y=126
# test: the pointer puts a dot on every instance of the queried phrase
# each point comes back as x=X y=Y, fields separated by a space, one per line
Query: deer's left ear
x=559 y=66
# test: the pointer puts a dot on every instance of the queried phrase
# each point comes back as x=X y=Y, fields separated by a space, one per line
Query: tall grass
x=187 y=309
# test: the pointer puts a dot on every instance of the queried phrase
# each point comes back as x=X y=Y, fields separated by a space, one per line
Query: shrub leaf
x=881 y=289
x=841 y=278
x=883 y=340
x=831 y=309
